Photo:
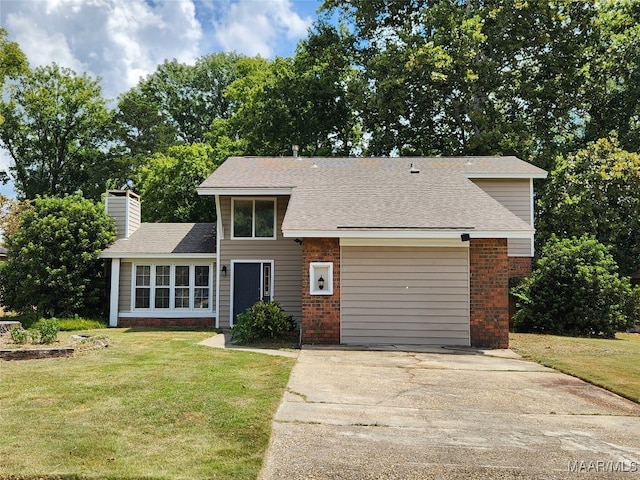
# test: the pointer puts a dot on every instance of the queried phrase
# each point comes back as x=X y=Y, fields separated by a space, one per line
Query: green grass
x=610 y=363
x=154 y=404
x=66 y=324
x=71 y=324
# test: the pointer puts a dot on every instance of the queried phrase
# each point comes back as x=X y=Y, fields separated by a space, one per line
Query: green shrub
x=576 y=290
x=34 y=335
x=19 y=335
x=262 y=320
x=48 y=329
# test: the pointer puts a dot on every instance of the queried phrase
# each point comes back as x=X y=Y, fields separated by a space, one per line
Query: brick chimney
x=124 y=207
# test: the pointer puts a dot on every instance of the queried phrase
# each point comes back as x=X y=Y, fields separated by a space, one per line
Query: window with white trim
x=254 y=218
x=172 y=287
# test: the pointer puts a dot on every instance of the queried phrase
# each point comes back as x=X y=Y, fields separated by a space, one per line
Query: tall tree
x=613 y=100
x=12 y=60
x=55 y=131
x=469 y=77
x=304 y=100
x=595 y=191
x=167 y=183
x=177 y=103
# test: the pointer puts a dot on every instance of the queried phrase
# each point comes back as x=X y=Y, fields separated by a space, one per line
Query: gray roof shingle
x=342 y=194
x=164 y=239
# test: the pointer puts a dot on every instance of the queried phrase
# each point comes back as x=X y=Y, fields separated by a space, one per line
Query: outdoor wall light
x=224 y=270
x=465 y=237
x=298 y=241
x=321 y=283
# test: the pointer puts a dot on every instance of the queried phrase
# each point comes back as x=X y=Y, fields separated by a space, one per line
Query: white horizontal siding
x=405 y=295
x=514 y=194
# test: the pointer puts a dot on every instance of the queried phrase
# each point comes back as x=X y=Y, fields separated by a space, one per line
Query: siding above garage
x=517 y=196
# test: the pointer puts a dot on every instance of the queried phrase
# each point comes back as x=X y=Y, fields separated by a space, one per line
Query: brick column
x=489 y=293
x=520 y=266
x=321 y=313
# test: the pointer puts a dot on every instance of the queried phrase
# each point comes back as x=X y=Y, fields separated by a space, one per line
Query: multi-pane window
x=254 y=218
x=182 y=287
x=201 y=290
x=143 y=286
x=172 y=287
x=163 y=278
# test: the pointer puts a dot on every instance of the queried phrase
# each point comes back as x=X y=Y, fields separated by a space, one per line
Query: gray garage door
x=405 y=295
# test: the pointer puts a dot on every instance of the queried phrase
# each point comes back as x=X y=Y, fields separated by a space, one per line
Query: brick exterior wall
x=520 y=266
x=489 y=293
x=128 y=322
x=321 y=313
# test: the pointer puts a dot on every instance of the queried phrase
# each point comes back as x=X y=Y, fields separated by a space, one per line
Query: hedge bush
x=576 y=290
x=264 y=320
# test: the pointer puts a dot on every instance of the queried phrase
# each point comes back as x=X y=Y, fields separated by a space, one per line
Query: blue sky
x=121 y=41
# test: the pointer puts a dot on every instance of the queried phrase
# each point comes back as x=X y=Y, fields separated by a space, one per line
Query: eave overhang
x=405 y=233
x=132 y=255
x=248 y=191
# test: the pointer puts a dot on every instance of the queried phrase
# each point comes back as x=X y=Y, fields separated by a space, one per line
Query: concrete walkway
x=363 y=414
x=223 y=340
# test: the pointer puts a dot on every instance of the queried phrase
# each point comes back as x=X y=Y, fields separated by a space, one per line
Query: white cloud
x=256 y=27
x=118 y=40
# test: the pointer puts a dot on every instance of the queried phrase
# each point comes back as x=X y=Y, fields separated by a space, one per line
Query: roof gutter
x=406 y=234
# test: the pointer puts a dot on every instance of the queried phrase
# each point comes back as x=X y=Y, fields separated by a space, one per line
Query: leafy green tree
x=12 y=60
x=167 y=184
x=470 y=77
x=55 y=130
x=595 y=191
x=53 y=267
x=177 y=103
x=613 y=82
x=575 y=289
x=304 y=100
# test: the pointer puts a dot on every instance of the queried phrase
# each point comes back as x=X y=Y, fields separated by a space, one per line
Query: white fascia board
x=208 y=256
x=245 y=191
x=403 y=242
x=405 y=234
x=506 y=175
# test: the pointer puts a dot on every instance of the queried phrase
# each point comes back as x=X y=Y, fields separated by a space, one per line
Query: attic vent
x=413 y=169
x=295 y=149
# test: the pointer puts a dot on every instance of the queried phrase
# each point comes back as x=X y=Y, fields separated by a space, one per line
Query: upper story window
x=254 y=218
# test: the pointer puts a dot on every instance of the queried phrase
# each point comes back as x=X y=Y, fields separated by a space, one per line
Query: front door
x=251 y=282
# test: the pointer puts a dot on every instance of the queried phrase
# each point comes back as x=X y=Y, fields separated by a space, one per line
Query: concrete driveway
x=361 y=414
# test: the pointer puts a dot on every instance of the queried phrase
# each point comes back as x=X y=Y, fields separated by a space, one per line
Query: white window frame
x=253 y=217
x=172 y=286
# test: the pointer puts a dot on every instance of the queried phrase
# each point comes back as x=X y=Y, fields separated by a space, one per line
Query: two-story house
x=359 y=250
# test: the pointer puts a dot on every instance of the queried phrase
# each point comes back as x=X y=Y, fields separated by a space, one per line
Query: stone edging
x=35 y=353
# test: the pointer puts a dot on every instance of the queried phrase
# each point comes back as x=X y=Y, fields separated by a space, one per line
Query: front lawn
x=610 y=363
x=153 y=404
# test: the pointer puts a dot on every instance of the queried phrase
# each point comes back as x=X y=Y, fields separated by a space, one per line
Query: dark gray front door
x=247 y=286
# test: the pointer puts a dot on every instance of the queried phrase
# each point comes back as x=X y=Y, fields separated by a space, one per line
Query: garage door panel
x=405 y=295
x=439 y=329
x=390 y=313
x=398 y=298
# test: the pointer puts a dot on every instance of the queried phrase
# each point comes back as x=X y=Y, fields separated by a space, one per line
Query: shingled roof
x=158 y=239
x=346 y=196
